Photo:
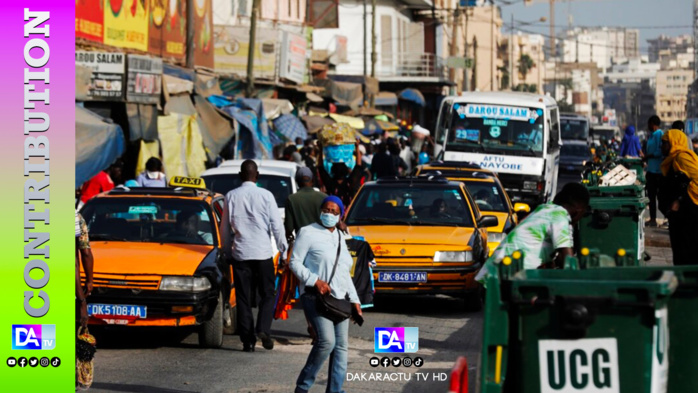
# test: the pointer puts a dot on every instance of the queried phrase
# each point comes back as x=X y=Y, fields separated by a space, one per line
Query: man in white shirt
x=250 y=218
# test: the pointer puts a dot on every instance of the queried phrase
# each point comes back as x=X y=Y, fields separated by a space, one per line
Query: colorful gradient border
x=61 y=109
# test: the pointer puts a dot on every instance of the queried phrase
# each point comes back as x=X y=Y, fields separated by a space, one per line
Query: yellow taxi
x=427 y=234
x=487 y=191
x=157 y=259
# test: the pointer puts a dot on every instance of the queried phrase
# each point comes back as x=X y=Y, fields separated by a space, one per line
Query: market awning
x=315 y=123
x=274 y=108
x=354 y=122
x=375 y=126
x=414 y=96
x=98 y=144
x=385 y=98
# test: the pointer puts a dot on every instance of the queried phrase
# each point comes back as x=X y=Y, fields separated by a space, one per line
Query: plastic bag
x=84 y=356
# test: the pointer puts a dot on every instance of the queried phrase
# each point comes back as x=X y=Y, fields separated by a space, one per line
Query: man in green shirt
x=545 y=236
x=303 y=207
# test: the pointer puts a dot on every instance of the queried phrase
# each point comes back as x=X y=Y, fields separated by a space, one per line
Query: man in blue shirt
x=654 y=162
x=249 y=220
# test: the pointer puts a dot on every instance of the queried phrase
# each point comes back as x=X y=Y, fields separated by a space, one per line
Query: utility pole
x=190 y=34
x=553 y=48
x=374 y=55
x=467 y=52
x=493 y=66
x=365 y=43
x=250 y=49
x=576 y=49
x=455 y=22
x=511 y=54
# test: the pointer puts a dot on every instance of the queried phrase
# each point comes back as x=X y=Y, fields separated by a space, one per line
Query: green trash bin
x=615 y=221
x=683 y=324
x=594 y=330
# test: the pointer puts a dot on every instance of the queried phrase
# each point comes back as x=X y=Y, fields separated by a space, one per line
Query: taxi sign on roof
x=188 y=182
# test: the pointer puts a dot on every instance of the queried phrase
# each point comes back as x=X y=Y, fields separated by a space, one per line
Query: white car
x=279 y=177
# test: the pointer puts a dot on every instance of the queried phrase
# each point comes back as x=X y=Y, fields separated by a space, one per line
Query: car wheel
x=233 y=313
x=474 y=300
x=211 y=331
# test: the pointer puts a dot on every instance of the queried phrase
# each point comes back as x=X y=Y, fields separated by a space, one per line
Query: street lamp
x=511 y=45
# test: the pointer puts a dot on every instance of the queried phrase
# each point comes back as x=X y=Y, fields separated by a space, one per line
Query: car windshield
x=156 y=220
x=493 y=128
x=605 y=135
x=574 y=129
x=280 y=186
x=489 y=197
x=402 y=204
x=575 y=150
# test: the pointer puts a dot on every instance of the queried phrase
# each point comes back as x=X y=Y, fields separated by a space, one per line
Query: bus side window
x=444 y=121
x=554 y=126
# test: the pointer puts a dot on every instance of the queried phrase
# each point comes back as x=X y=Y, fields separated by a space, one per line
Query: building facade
x=531 y=45
x=671 y=94
x=667 y=46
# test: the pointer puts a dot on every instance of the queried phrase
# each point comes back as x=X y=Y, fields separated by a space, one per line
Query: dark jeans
x=653 y=183
x=683 y=233
x=262 y=274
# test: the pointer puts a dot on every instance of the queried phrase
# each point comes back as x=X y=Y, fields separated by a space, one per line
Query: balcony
x=414 y=66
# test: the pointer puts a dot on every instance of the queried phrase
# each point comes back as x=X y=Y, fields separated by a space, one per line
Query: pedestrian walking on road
x=322 y=263
x=545 y=236
x=153 y=175
x=303 y=207
x=680 y=169
x=250 y=218
x=654 y=163
x=630 y=146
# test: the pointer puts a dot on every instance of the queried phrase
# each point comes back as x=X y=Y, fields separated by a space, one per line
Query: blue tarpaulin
x=98 y=144
x=253 y=138
x=414 y=96
x=290 y=127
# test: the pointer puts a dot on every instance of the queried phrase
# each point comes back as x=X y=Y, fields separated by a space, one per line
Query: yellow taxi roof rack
x=188 y=182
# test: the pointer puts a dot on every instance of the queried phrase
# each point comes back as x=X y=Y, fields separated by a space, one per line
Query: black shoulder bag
x=336 y=310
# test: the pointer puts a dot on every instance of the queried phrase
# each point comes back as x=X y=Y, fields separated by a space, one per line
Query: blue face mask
x=328 y=220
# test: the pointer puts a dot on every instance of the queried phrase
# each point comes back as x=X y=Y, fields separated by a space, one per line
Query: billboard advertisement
x=203 y=33
x=89 y=19
x=126 y=24
x=167 y=29
x=232 y=45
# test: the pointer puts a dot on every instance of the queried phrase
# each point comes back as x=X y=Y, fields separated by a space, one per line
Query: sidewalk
x=658 y=246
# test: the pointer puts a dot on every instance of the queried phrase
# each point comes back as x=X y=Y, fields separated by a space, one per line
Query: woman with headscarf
x=322 y=263
x=680 y=169
x=630 y=146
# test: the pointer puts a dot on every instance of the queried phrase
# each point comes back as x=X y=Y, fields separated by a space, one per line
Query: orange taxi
x=487 y=191
x=427 y=234
x=157 y=260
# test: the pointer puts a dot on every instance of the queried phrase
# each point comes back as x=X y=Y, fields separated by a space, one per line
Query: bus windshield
x=574 y=129
x=494 y=128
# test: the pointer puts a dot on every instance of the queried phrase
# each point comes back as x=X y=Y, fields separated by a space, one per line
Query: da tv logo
x=396 y=340
x=34 y=337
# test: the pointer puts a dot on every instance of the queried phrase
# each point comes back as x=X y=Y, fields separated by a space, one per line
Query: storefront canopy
x=414 y=96
x=98 y=144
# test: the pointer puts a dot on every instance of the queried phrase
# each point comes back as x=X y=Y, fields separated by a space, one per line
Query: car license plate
x=116 y=311
x=402 y=277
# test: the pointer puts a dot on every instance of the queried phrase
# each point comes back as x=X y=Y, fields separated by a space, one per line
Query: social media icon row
x=33 y=362
x=396 y=362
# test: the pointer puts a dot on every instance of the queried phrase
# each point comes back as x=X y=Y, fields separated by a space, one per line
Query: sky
x=622 y=13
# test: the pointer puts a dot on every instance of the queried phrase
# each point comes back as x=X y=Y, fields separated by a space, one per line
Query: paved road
x=157 y=362
x=162 y=362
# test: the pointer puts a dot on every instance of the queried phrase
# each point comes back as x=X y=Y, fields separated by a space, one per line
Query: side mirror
x=521 y=207
x=488 y=222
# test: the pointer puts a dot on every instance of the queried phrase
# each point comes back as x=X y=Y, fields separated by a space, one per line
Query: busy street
x=478 y=201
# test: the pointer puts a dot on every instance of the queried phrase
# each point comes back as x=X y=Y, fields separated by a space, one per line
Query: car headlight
x=453 y=256
x=185 y=284
x=496 y=237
